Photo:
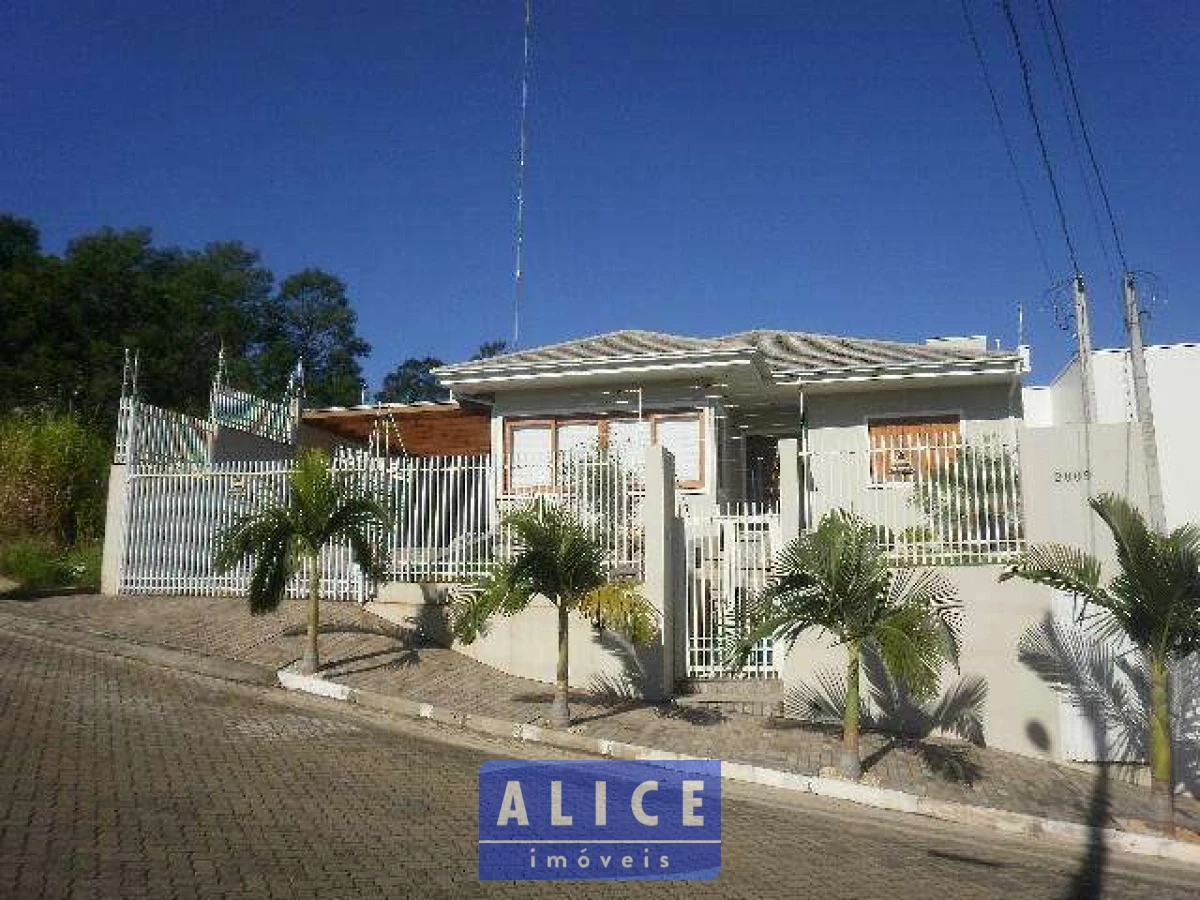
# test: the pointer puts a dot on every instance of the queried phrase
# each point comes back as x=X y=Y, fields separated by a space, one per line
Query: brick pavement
x=366 y=652
x=119 y=779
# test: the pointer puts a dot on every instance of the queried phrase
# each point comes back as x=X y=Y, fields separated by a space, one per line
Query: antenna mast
x=523 y=140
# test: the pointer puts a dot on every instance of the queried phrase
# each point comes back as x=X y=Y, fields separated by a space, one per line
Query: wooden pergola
x=417 y=429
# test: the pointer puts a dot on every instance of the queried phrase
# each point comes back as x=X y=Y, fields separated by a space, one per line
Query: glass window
x=530 y=455
x=628 y=440
x=682 y=436
x=577 y=439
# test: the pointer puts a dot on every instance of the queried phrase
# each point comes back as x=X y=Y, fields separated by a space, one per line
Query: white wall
x=838 y=421
x=1173 y=372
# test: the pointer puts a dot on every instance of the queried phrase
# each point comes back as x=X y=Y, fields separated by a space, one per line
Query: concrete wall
x=1172 y=371
x=233 y=445
x=114 y=530
x=1022 y=714
x=526 y=645
x=838 y=421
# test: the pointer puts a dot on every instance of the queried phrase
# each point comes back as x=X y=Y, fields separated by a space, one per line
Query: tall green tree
x=412 y=382
x=489 y=349
x=1153 y=599
x=311 y=317
x=321 y=509
x=553 y=557
x=67 y=320
x=837 y=579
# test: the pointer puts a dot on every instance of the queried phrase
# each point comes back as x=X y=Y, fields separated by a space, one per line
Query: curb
x=851 y=792
x=177 y=658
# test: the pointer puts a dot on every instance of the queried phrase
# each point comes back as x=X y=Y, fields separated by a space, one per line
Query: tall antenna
x=523 y=140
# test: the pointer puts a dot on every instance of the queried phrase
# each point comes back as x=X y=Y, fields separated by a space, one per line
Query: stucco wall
x=839 y=421
x=1022 y=714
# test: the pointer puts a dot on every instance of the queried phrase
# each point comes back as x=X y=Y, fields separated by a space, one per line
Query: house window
x=530 y=455
x=628 y=439
x=536 y=450
x=903 y=448
x=683 y=435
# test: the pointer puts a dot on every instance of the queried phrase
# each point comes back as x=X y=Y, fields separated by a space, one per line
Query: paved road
x=120 y=779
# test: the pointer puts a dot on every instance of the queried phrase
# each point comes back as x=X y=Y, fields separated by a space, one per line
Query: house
x=721 y=405
x=694 y=459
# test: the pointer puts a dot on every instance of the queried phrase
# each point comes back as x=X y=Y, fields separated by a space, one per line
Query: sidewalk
x=368 y=653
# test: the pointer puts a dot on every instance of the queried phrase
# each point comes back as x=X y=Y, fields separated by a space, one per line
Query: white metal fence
x=948 y=504
x=270 y=419
x=149 y=434
x=730 y=551
x=174 y=516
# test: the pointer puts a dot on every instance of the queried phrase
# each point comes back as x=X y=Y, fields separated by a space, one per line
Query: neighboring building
x=1172 y=371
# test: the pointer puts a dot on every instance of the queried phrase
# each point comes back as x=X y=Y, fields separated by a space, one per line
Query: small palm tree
x=319 y=510
x=1154 y=600
x=554 y=556
x=838 y=578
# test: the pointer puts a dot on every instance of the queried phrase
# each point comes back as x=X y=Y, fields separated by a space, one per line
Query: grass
x=38 y=564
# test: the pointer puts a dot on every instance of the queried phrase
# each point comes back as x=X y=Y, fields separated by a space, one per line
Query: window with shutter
x=902 y=448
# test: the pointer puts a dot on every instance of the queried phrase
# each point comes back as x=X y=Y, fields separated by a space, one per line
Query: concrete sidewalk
x=366 y=653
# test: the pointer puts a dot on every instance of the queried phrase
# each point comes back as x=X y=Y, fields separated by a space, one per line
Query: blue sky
x=694 y=167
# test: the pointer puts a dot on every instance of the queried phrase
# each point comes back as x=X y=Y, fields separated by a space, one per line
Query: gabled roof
x=784 y=354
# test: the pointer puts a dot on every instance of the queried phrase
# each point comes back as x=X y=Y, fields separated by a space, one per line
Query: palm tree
x=1154 y=600
x=554 y=556
x=319 y=510
x=838 y=578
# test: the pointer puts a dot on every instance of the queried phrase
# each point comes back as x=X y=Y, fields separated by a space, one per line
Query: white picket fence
x=949 y=504
x=174 y=516
x=729 y=554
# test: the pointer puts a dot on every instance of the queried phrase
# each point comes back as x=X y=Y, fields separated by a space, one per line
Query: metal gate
x=174 y=515
x=729 y=557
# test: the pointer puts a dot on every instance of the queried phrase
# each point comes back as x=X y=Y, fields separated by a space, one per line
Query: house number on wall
x=1072 y=476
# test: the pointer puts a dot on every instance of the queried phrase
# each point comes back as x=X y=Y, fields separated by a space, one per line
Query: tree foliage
x=67 y=319
x=412 y=382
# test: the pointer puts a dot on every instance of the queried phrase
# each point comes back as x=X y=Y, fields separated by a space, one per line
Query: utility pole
x=1141 y=403
x=1083 y=336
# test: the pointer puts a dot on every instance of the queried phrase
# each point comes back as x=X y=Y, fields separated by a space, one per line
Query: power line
x=1037 y=125
x=1076 y=149
x=1008 y=147
x=522 y=143
x=1087 y=140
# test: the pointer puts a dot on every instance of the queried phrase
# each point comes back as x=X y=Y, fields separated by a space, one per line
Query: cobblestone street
x=121 y=779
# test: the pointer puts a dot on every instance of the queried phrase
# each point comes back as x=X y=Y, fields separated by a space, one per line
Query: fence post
x=789 y=489
x=658 y=523
x=116 y=523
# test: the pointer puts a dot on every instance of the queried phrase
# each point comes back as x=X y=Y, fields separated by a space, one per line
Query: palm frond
x=1063 y=568
x=1084 y=670
x=621 y=606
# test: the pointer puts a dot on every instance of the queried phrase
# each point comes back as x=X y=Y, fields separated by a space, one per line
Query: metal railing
x=270 y=419
x=932 y=504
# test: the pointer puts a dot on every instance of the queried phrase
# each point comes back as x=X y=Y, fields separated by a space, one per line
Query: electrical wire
x=1037 y=125
x=1008 y=147
x=1087 y=140
x=1076 y=148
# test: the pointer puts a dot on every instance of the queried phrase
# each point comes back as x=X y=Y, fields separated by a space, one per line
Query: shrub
x=36 y=563
x=53 y=470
